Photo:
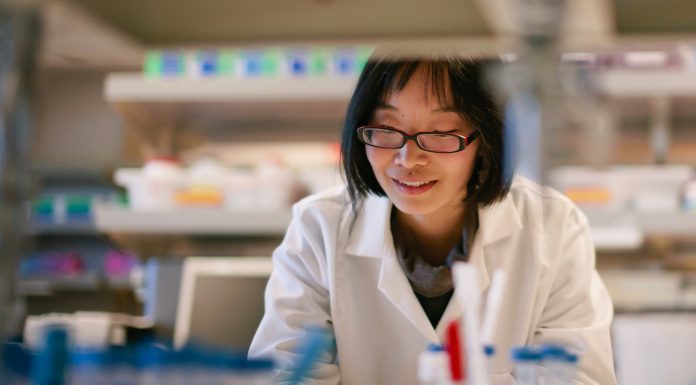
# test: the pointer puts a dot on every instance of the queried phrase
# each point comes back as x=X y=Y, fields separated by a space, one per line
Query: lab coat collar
x=371 y=236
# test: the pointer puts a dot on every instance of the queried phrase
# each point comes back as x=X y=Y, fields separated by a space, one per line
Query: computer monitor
x=221 y=300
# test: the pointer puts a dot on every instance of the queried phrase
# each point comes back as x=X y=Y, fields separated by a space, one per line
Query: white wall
x=74 y=128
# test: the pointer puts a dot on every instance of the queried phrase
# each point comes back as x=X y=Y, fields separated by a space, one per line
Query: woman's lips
x=413 y=188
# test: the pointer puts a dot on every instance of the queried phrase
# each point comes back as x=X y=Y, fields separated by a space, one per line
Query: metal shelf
x=651 y=223
x=229 y=101
x=44 y=286
x=648 y=83
x=67 y=229
x=134 y=87
x=190 y=221
x=613 y=230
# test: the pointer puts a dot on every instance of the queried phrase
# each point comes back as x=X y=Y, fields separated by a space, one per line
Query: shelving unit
x=84 y=283
x=214 y=221
x=135 y=87
x=648 y=83
x=627 y=231
x=224 y=101
x=86 y=228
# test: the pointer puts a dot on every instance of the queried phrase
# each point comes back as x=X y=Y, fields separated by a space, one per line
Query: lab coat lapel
x=496 y=222
x=371 y=236
x=395 y=286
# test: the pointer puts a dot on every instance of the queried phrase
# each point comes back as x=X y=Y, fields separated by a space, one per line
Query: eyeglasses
x=387 y=137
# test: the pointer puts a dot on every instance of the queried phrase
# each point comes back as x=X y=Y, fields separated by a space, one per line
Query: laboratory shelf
x=44 y=286
x=229 y=101
x=111 y=218
x=648 y=83
x=68 y=228
x=676 y=224
x=612 y=230
x=135 y=87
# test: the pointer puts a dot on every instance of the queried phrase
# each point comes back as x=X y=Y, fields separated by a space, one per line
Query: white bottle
x=433 y=366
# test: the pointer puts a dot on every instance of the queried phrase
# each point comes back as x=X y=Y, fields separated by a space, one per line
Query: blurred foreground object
x=19 y=33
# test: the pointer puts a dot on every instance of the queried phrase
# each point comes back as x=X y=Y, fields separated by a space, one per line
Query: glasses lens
x=382 y=138
x=439 y=142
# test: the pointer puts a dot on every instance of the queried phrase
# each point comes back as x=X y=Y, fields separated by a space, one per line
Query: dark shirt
x=434 y=307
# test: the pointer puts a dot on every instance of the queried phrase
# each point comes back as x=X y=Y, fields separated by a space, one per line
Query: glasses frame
x=464 y=140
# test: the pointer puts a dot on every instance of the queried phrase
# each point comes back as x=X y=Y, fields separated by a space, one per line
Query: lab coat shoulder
x=549 y=215
x=314 y=234
x=327 y=208
x=320 y=220
x=545 y=203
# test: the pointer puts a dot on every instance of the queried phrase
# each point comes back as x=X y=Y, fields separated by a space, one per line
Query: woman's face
x=418 y=182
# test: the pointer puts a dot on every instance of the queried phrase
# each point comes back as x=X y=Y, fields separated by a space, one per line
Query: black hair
x=469 y=95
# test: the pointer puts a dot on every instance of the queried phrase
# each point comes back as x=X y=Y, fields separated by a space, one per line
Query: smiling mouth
x=413 y=184
x=414 y=187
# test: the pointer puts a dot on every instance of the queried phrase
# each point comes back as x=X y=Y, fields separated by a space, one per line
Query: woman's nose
x=410 y=155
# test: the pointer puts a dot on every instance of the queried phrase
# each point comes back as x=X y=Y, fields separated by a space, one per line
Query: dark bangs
x=456 y=82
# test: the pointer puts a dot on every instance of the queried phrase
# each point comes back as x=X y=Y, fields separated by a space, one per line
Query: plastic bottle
x=526 y=361
x=433 y=366
x=15 y=365
x=49 y=365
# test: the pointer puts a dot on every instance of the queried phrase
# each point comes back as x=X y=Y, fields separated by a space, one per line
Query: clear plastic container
x=433 y=366
x=526 y=365
x=204 y=185
x=553 y=358
x=153 y=187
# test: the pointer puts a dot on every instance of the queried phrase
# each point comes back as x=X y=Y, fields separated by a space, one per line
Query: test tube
x=489 y=353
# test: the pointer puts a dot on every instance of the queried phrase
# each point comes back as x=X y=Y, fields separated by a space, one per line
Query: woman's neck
x=432 y=236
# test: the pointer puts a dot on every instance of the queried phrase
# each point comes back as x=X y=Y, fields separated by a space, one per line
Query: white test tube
x=467 y=290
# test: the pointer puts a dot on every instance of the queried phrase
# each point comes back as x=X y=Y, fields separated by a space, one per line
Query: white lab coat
x=342 y=272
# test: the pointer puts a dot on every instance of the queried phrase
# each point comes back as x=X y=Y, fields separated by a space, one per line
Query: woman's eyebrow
x=445 y=109
x=385 y=106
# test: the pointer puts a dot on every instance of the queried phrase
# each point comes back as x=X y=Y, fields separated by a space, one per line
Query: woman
x=426 y=185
